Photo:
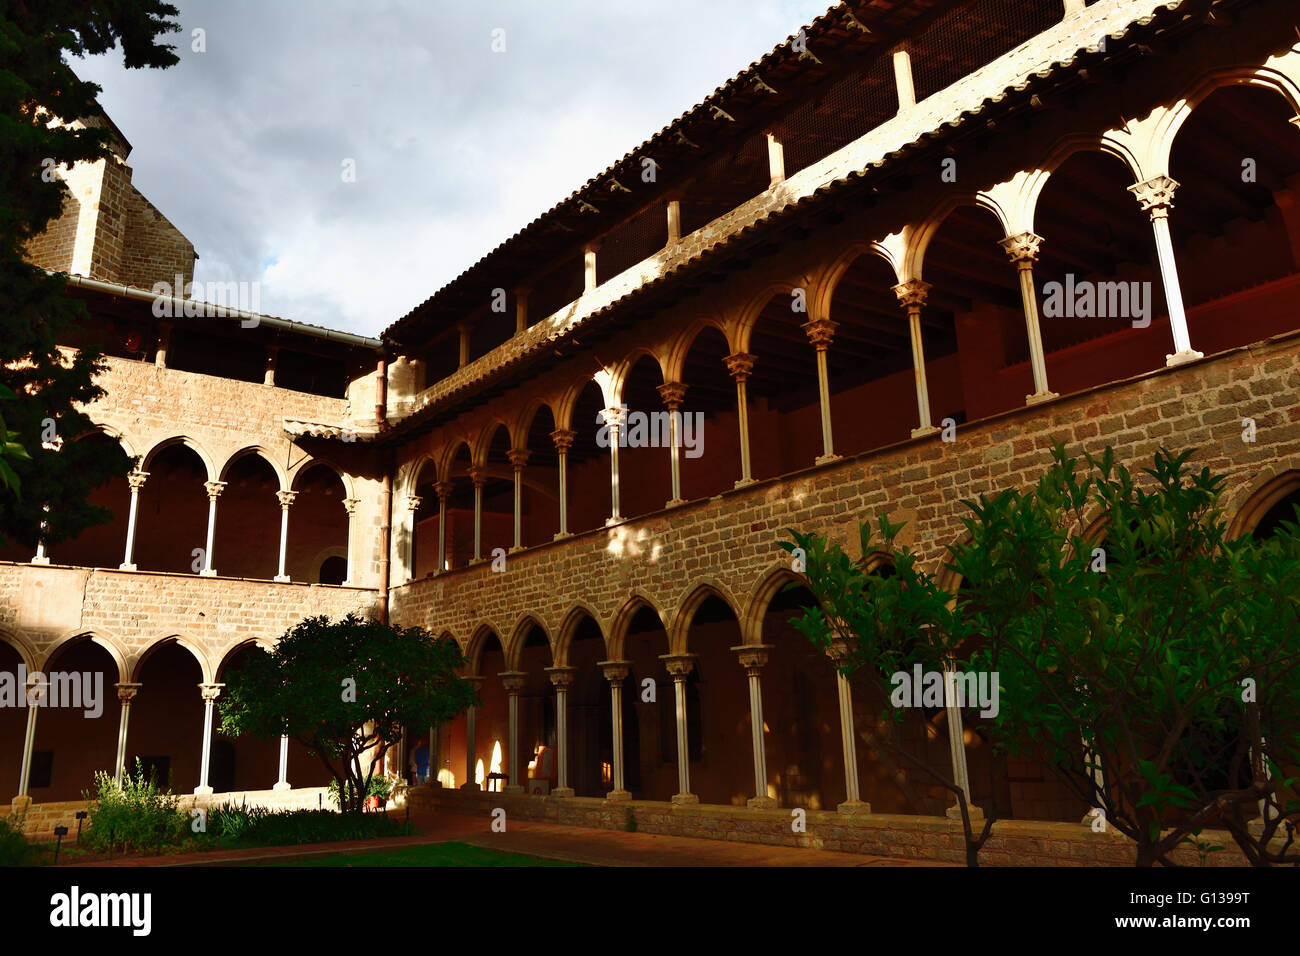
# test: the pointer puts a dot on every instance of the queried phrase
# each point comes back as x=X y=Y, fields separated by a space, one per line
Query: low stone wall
x=1013 y=843
x=40 y=819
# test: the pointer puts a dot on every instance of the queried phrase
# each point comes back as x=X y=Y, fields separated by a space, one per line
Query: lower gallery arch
x=488 y=749
x=13 y=724
x=718 y=715
x=805 y=754
x=247 y=763
x=649 y=731
x=76 y=735
x=166 y=727
x=536 y=712
x=591 y=734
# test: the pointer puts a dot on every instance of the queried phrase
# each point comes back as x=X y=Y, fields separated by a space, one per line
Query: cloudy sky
x=456 y=146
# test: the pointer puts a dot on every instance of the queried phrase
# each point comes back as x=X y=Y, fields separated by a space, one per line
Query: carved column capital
x=444 y=489
x=820 y=332
x=563 y=438
x=518 y=458
x=679 y=665
x=214 y=489
x=753 y=656
x=615 y=671
x=350 y=505
x=615 y=416
x=286 y=498
x=478 y=476
x=413 y=503
x=562 y=677
x=1022 y=247
x=126 y=692
x=1156 y=195
x=513 y=681
x=672 y=394
x=913 y=293
x=740 y=365
x=210 y=692
x=136 y=479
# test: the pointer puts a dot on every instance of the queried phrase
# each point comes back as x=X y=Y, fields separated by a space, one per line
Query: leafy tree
x=345 y=689
x=1156 y=672
x=36 y=85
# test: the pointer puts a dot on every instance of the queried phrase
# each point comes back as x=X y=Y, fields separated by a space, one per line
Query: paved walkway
x=548 y=840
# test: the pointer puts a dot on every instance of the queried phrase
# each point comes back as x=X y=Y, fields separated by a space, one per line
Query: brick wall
x=154 y=249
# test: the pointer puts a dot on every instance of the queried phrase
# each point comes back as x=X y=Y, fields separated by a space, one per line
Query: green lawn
x=436 y=854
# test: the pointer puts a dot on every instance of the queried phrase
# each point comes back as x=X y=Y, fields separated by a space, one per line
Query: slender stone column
x=679 y=667
x=957 y=742
x=479 y=477
x=210 y=693
x=125 y=694
x=41 y=557
x=775 y=161
x=444 y=490
x=740 y=365
x=562 y=678
x=1023 y=252
x=514 y=682
x=283 y=782
x=853 y=802
x=464 y=328
x=912 y=296
x=286 y=499
x=36 y=689
x=563 y=438
x=752 y=658
x=903 y=78
x=820 y=332
x=519 y=461
x=1156 y=197
x=615 y=672
x=350 y=505
x=410 y=505
x=471 y=737
x=136 y=480
x=521 y=309
x=674 y=220
x=673 y=393
x=589 y=268
x=614 y=417
x=214 y=490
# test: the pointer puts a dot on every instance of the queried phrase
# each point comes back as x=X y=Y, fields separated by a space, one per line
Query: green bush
x=379 y=787
x=134 y=815
x=258 y=826
x=15 y=848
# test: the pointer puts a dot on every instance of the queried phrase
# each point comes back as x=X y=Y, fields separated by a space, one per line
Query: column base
x=350 y=584
x=1040 y=397
x=19 y=804
x=282 y=786
x=685 y=799
x=1182 y=358
x=202 y=791
x=610 y=522
x=562 y=792
x=281 y=579
x=746 y=482
x=126 y=567
x=207 y=573
x=675 y=503
x=618 y=795
x=514 y=548
x=513 y=788
x=40 y=560
x=925 y=431
x=954 y=812
x=561 y=535
x=474 y=561
x=761 y=803
x=853 y=807
x=825 y=459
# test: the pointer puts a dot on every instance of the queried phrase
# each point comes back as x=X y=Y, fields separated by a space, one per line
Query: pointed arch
x=474 y=650
x=572 y=620
x=188 y=644
x=617 y=633
x=674 y=360
x=514 y=647
x=760 y=597
x=1276 y=483
x=26 y=652
x=261 y=452
x=229 y=655
x=747 y=315
x=103 y=638
x=681 y=623
x=189 y=443
x=349 y=486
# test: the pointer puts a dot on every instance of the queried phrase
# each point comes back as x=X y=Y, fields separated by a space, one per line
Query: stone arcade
x=914 y=174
